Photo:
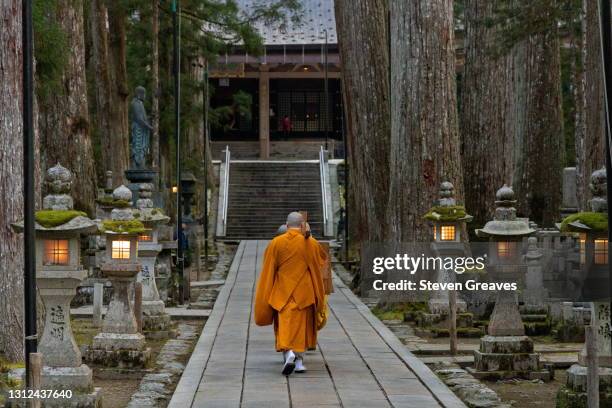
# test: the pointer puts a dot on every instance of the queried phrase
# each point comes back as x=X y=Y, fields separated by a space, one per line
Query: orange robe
x=290 y=291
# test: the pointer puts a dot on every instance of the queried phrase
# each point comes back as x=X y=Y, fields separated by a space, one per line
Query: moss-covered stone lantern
x=120 y=343
x=58 y=273
x=592 y=227
x=448 y=219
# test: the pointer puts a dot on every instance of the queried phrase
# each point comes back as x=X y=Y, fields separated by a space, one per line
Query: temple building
x=294 y=86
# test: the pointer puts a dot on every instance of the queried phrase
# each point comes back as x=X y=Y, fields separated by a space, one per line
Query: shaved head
x=282 y=229
x=294 y=220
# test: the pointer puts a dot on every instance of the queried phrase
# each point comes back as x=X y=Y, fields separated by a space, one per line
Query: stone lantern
x=448 y=220
x=592 y=228
x=156 y=322
x=120 y=343
x=58 y=274
x=506 y=351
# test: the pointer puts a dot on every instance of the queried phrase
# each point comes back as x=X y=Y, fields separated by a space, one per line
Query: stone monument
x=59 y=272
x=140 y=130
x=120 y=344
x=535 y=293
x=506 y=352
x=140 y=163
x=156 y=322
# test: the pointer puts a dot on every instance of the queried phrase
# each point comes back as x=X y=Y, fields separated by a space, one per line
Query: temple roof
x=315 y=17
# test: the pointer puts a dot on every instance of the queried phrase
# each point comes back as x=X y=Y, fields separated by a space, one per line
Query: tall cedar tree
x=590 y=136
x=109 y=105
x=531 y=33
x=363 y=41
x=425 y=148
x=63 y=122
x=11 y=181
x=487 y=145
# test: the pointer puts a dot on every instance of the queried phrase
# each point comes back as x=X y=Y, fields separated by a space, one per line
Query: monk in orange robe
x=290 y=292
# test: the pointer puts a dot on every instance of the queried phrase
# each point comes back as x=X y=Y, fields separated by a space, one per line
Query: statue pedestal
x=137 y=177
x=120 y=344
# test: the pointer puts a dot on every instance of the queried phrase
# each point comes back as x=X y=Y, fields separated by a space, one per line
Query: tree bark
x=110 y=102
x=11 y=183
x=487 y=145
x=425 y=148
x=363 y=39
x=155 y=92
x=539 y=139
x=64 y=117
x=590 y=134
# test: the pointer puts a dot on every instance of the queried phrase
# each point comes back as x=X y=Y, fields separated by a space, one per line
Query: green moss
x=537 y=328
x=388 y=315
x=111 y=202
x=598 y=222
x=129 y=227
x=54 y=218
x=452 y=213
x=465 y=332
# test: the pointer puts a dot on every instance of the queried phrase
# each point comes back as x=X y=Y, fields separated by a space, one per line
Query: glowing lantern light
x=120 y=249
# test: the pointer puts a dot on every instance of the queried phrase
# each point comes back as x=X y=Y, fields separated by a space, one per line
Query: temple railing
x=323 y=175
x=226 y=188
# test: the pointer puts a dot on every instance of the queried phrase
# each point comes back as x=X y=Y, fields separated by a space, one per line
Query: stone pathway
x=359 y=361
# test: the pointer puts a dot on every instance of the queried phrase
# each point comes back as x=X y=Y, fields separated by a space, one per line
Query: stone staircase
x=262 y=193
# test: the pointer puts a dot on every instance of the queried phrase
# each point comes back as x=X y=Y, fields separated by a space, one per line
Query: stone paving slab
x=358 y=362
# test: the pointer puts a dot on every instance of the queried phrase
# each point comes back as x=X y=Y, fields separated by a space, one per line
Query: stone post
x=98 y=297
x=535 y=293
x=156 y=322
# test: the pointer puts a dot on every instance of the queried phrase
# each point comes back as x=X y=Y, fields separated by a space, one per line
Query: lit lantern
x=122 y=248
x=58 y=274
x=55 y=252
x=590 y=229
x=505 y=231
x=145 y=238
x=447 y=218
x=120 y=332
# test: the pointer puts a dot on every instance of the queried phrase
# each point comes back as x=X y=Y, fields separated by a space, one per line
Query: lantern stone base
x=119 y=341
x=118 y=358
x=92 y=399
x=573 y=394
x=153 y=307
x=501 y=357
x=440 y=306
x=156 y=323
x=121 y=350
x=78 y=380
